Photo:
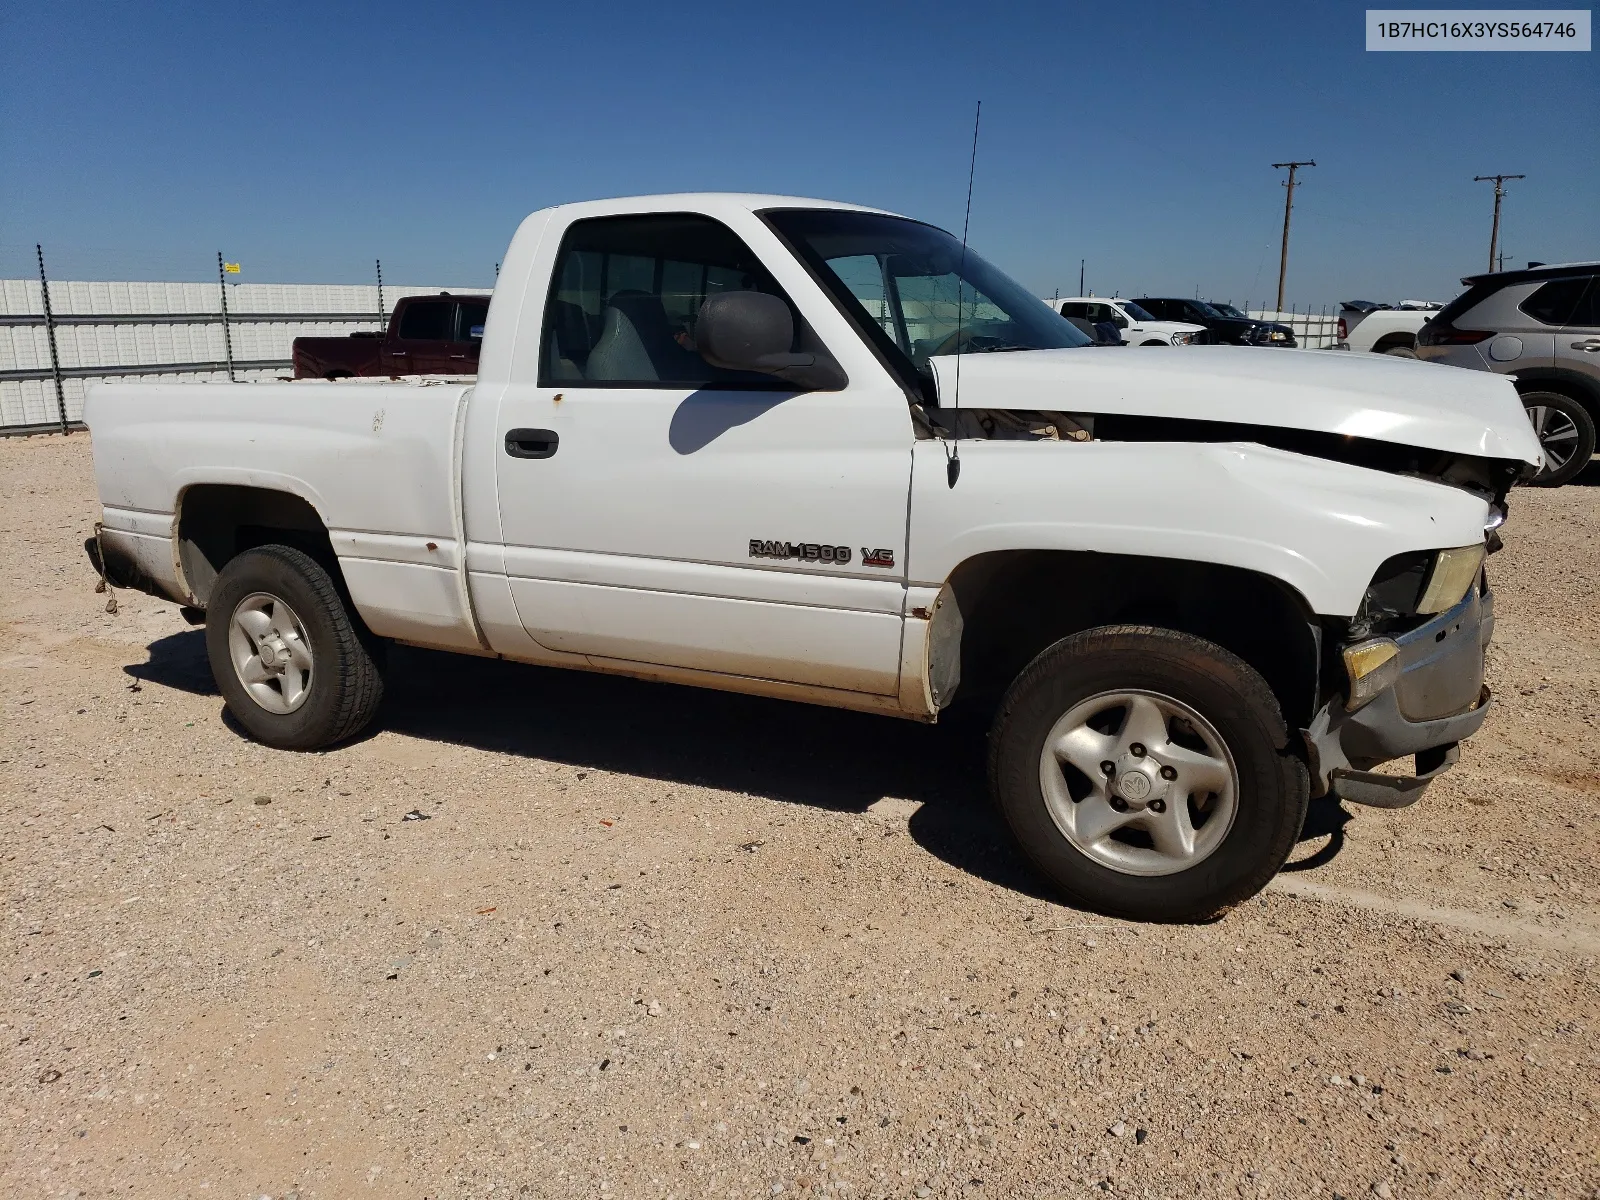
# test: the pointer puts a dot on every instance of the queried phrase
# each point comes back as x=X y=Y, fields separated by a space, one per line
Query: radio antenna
x=952 y=465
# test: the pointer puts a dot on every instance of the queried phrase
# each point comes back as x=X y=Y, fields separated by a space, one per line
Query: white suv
x=1137 y=327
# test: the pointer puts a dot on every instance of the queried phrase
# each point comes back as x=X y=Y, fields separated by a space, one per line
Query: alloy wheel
x=1139 y=782
x=1557 y=433
x=270 y=652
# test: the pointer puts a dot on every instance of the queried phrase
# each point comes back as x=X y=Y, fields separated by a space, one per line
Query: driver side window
x=1104 y=312
x=626 y=293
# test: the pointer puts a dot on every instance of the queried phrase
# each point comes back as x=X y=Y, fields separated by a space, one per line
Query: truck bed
x=375 y=459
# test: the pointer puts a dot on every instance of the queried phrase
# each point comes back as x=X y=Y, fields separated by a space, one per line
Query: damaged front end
x=1400 y=671
x=1404 y=675
x=1490 y=478
x=1416 y=690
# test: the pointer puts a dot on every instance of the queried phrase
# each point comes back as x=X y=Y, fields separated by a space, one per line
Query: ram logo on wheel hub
x=1135 y=786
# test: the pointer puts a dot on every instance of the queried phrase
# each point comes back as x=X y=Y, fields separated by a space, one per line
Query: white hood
x=1379 y=397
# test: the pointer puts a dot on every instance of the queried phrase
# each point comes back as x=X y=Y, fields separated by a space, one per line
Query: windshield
x=919 y=299
x=1134 y=311
x=1229 y=310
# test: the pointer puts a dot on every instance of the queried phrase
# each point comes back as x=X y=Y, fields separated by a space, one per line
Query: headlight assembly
x=1419 y=583
x=1372 y=666
x=1454 y=571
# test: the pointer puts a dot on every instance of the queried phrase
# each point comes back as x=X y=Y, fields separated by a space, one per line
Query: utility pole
x=1499 y=182
x=1081 y=261
x=1288 y=207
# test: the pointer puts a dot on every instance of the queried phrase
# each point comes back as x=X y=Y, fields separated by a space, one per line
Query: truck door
x=1101 y=313
x=658 y=510
x=423 y=344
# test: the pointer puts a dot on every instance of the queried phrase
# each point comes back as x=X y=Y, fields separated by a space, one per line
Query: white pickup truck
x=814 y=451
x=1134 y=326
x=1371 y=328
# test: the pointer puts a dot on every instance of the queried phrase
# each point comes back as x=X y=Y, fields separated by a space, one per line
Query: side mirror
x=752 y=331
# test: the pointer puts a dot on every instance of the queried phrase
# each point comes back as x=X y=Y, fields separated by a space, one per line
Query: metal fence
x=1314 y=329
x=56 y=335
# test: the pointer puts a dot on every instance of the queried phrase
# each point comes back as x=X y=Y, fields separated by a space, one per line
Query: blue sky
x=306 y=140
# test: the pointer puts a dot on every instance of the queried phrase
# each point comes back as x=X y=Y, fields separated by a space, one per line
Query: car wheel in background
x=293 y=666
x=1399 y=351
x=1147 y=773
x=1566 y=431
x=1152 y=343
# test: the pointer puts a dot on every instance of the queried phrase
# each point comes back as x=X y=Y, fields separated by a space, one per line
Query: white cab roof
x=707 y=202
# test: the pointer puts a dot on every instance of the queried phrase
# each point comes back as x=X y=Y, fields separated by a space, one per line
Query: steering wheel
x=966 y=339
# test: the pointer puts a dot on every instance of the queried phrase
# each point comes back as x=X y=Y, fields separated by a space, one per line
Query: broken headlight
x=1419 y=583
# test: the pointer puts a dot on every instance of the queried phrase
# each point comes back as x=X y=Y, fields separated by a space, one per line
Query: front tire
x=1566 y=432
x=1201 y=803
x=296 y=670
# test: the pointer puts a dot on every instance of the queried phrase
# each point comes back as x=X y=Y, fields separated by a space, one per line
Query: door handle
x=399 y=353
x=1590 y=346
x=458 y=356
x=532 y=443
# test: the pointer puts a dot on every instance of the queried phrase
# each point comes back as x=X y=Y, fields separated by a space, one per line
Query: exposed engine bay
x=1487 y=477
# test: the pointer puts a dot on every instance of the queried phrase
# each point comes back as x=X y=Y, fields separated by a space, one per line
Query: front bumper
x=1439 y=701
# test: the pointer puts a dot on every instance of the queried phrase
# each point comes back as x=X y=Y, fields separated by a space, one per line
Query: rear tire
x=1566 y=431
x=296 y=670
x=1151 y=701
x=1399 y=352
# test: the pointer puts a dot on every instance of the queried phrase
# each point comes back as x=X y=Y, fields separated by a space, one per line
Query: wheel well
x=217 y=522
x=1572 y=386
x=1014 y=604
x=1390 y=340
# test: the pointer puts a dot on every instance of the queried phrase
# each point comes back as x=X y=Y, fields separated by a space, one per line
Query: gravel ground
x=650 y=941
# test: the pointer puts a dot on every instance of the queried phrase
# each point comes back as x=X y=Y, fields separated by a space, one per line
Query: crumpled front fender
x=1318 y=526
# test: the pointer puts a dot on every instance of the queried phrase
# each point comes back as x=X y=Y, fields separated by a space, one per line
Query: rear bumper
x=1439 y=701
x=134 y=561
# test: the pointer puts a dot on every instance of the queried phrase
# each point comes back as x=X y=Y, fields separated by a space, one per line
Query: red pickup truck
x=427 y=335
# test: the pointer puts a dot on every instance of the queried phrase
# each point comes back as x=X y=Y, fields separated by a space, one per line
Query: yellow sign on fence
x=231 y=268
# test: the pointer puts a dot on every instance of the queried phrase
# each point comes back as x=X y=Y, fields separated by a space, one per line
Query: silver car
x=1541 y=325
